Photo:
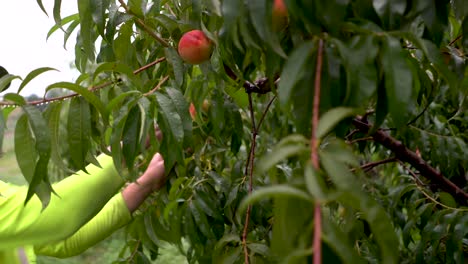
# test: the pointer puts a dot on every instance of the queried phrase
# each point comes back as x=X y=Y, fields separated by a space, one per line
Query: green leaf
x=339 y=241
x=338 y=172
x=182 y=107
x=287 y=147
x=258 y=248
x=201 y=220
x=33 y=74
x=207 y=205
x=86 y=28
x=113 y=67
x=99 y=15
x=294 y=70
x=5 y=81
x=39 y=2
x=390 y=12
x=380 y=224
x=314 y=182
x=398 y=79
x=271 y=192
x=79 y=131
x=261 y=20
x=16 y=98
x=124 y=49
x=177 y=65
x=359 y=58
x=69 y=31
x=447 y=199
x=136 y=7
x=117 y=132
x=460 y=8
x=88 y=95
x=230 y=256
x=169 y=112
x=116 y=101
x=331 y=118
x=131 y=137
x=26 y=155
x=150 y=230
x=289 y=232
x=64 y=21
x=39 y=183
x=56 y=11
x=55 y=122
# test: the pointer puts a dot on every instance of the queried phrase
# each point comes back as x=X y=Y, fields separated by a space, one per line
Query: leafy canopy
x=391 y=132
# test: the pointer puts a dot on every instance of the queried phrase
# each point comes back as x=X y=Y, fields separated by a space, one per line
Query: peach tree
x=319 y=131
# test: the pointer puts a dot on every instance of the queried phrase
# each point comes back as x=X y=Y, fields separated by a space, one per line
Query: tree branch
x=94 y=88
x=406 y=155
x=314 y=144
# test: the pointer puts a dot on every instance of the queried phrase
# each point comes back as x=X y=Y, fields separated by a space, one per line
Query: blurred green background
x=106 y=251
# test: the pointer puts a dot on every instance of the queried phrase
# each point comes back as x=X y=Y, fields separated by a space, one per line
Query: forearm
x=135 y=194
x=81 y=196
x=112 y=217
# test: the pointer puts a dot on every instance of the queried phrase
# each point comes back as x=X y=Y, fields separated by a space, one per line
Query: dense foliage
x=384 y=168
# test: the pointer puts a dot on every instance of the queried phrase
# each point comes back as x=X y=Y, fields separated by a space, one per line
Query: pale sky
x=23 y=45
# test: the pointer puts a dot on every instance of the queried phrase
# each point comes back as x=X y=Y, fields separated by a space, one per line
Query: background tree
x=333 y=131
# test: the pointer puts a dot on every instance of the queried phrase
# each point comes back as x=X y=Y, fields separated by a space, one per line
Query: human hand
x=151 y=180
x=154 y=175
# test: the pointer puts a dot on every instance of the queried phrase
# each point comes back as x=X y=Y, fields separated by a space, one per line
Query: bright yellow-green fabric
x=54 y=230
x=112 y=217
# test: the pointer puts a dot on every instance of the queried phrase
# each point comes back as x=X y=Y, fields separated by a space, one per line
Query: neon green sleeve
x=112 y=217
x=82 y=196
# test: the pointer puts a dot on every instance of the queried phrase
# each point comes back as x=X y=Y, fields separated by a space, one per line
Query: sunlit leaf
x=26 y=155
x=16 y=98
x=5 y=81
x=33 y=74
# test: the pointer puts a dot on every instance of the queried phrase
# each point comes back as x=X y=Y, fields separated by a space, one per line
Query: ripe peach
x=195 y=47
x=193 y=111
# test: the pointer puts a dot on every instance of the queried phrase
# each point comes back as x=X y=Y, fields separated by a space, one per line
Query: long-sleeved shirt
x=88 y=208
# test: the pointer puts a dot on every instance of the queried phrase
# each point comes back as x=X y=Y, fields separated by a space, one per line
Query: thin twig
x=359 y=140
x=351 y=134
x=371 y=165
x=455 y=40
x=137 y=71
x=314 y=143
x=249 y=170
x=157 y=86
x=60 y=98
x=264 y=112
